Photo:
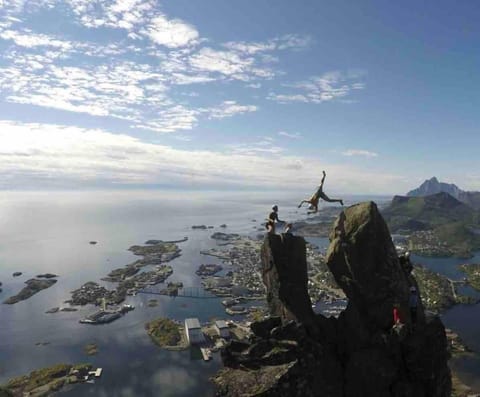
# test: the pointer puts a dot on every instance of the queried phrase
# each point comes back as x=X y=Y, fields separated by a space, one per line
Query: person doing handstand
x=319 y=194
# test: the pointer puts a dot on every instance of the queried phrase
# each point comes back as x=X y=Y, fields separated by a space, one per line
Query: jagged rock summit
x=433 y=186
x=296 y=352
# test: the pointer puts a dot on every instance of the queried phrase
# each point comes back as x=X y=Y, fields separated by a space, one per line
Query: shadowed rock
x=356 y=355
x=285 y=276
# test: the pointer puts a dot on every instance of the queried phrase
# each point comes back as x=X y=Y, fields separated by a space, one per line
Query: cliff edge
x=296 y=352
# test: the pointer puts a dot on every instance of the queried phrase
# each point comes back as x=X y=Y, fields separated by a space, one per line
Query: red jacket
x=396 y=316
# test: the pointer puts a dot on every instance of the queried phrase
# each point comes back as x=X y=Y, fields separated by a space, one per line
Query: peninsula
x=47 y=381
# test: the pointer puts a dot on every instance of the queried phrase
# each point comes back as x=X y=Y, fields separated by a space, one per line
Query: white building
x=193 y=331
x=222 y=329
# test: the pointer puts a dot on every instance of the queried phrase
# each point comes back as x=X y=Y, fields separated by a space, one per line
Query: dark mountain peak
x=433 y=186
x=442 y=199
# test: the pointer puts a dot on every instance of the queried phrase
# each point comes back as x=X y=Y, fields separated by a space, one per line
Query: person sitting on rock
x=413 y=304
x=273 y=219
x=319 y=194
x=270 y=226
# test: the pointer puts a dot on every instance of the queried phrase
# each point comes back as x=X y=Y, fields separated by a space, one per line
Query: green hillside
x=438 y=224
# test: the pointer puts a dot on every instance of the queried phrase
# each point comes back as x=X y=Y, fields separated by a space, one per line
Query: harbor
x=105 y=316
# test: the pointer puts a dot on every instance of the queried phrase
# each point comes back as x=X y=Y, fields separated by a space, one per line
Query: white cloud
x=359 y=152
x=228 y=109
x=281 y=98
x=289 y=41
x=29 y=40
x=227 y=63
x=293 y=41
x=330 y=86
x=295 y=135
x=172 y=33
x=171 y=119
x=119 y=14
x=40 y=154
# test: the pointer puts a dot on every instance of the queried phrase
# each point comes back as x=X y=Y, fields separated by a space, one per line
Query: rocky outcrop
x=298 y=353
x=284 y=274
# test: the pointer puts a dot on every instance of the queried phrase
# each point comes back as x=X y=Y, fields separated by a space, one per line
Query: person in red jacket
x=396 y=314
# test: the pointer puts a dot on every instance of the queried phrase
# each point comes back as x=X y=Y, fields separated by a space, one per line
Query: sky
x=215 y=94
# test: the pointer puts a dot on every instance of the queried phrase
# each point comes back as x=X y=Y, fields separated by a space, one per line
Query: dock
x=206 y=353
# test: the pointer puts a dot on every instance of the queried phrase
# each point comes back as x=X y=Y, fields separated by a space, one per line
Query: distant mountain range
x=433 y=186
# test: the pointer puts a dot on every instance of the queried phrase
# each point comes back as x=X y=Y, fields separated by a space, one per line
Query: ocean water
x=50 y=232
x=463 y=319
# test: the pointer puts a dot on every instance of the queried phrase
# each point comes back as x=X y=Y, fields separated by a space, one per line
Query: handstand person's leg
x=329 y=200
x=302 y=202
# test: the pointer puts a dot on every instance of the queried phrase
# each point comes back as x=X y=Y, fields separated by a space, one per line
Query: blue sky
x=232 y=95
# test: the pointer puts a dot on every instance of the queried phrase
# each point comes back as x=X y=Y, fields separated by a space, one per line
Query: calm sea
x=50 y=232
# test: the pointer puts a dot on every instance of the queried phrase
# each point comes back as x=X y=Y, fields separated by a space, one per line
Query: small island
x=225 y=236
x=199 y=227
x=91 y=349
x=47 y=275
x=155 y=242
x=208 y=269
x=17 y=274
x=473 y=274
x=157 y=253
x=33 y=286
x=152 y=303
x=167 y=334
x=47 y=381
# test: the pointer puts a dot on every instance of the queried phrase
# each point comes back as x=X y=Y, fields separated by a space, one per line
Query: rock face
x=285 y=276
x=298 y=353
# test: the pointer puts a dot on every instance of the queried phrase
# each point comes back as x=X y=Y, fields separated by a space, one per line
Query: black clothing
x=273 y=216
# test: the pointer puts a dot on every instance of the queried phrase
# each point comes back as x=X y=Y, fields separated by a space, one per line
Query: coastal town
x=237 y=281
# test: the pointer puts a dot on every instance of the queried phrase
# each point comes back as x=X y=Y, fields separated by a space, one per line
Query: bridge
x=185 y=292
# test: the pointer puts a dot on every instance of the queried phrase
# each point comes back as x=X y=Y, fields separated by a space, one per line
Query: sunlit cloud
x=38 y=155
x=230 y=108
x=172 y=33
x=358 y=152
x=330 y=86
x=295 y=135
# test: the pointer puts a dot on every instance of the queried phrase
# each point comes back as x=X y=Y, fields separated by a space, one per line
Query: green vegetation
x=459 y=237
x=473 y=274
x=436 y=291
x=45 y=381
x=439 y=224
x=164 y=332
x=159 y=248
x=5 y=392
